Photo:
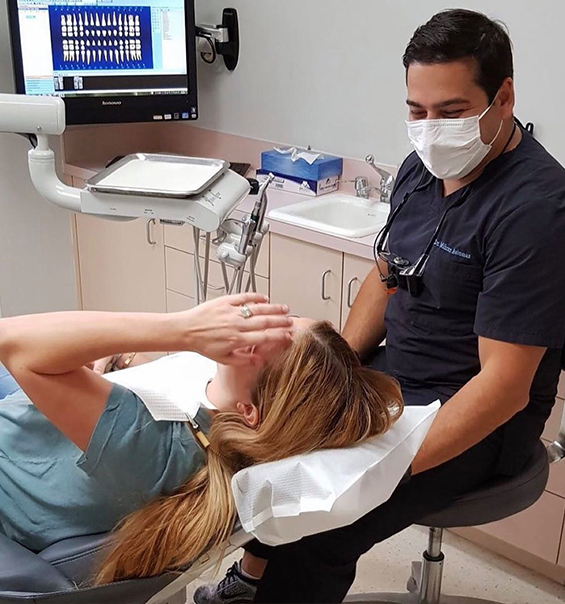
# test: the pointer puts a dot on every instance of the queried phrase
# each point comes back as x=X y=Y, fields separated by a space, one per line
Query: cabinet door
x=354 y=272
x=122 y=264
x=307 y=278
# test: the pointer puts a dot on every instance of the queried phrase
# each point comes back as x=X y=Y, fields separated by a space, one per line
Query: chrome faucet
x=362 y=187
x=385 y=187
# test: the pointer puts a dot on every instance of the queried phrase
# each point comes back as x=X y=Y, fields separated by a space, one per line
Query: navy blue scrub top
x=497 y=270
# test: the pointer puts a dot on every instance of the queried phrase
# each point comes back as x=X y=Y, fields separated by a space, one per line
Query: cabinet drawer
x=180 y=272
x=181 y=277
x=536 y=530
x=178 y=302
x=181 y=238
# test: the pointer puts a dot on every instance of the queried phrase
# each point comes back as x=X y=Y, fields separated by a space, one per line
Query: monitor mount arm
x=223 y=39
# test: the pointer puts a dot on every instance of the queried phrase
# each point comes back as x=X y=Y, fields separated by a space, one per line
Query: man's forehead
x=443 y=84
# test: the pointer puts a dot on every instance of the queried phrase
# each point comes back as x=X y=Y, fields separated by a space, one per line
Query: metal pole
x=432 y=568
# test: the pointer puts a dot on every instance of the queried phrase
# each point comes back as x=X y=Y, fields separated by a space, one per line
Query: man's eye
x=418 y=115
x=451 y=114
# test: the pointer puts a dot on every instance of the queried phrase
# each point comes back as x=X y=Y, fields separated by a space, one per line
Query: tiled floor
x=469 y=571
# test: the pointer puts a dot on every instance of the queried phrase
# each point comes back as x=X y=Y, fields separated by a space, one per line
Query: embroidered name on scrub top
x=446 y=248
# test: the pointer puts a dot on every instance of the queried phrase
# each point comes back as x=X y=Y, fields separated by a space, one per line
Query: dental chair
x=277 y=502
x=60 y=574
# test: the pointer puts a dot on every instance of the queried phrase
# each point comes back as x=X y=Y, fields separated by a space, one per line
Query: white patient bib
x=171 y=387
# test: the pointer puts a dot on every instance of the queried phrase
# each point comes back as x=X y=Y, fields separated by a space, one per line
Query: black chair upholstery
x=22 y=570
x=58 y=575
x=497 y=499
x=77 y=557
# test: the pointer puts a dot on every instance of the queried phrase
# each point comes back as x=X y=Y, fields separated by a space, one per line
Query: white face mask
x=450 y=148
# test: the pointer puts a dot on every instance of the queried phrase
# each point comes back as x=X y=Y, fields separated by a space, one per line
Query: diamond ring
x=245 y=311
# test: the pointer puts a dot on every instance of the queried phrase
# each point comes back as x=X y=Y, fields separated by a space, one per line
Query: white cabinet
x=354 y=272
x=180 y=276
x=178 y=302
x=182 y=238
x=121 y=264
x=306 y=277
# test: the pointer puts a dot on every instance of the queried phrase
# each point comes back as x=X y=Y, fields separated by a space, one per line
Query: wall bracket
x=220 y=39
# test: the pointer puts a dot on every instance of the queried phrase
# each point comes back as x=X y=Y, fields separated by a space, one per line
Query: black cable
x=387 y=226
x=209 y=38
x=30 y=137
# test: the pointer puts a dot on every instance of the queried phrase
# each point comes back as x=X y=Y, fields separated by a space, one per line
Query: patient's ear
x=249 y=412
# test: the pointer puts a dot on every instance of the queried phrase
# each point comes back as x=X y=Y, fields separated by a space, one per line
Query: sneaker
x=234 y=588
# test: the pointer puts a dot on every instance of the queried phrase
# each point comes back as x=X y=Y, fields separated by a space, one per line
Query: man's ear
x=249 y=412
x=507 y=99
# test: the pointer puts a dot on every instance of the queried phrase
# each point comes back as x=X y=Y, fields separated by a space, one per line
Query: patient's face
x=241 y=380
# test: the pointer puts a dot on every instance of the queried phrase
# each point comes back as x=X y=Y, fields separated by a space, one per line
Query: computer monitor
x=112 y=61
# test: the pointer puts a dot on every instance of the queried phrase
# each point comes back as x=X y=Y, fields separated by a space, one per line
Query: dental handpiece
x=260 y=208
x=254 y=221
x=248 y=227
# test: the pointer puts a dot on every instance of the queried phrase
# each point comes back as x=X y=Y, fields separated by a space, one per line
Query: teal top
x=50 y=490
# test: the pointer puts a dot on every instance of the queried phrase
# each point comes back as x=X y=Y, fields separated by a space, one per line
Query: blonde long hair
x=316 y=395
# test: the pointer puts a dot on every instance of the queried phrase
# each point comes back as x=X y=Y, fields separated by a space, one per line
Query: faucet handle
x=387 y=179
x=370 y=159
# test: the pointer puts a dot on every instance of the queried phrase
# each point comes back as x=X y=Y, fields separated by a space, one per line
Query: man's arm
x=365 y=328
x=490 y=399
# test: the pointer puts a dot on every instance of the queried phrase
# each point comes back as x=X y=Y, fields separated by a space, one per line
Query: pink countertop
x=362 y=247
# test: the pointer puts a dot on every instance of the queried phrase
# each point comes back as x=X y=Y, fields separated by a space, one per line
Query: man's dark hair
x=457 y=34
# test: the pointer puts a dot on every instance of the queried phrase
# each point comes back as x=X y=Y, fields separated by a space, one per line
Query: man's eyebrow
x=443 y=104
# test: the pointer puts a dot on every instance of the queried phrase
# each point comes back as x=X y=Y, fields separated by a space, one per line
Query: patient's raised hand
x=224 y=328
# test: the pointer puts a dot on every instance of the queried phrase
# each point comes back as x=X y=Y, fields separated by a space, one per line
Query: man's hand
x=490 y=399
x=102 y=366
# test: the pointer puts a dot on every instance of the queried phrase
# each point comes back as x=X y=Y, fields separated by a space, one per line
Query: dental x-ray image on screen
x=110 y=60
x=96 y=37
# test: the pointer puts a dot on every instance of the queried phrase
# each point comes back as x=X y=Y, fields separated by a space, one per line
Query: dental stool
x=495 y=500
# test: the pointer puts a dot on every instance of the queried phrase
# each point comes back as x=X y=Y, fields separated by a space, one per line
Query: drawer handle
x=326 y=273
x=216 y=288
x=150 y=240
x=349 y=290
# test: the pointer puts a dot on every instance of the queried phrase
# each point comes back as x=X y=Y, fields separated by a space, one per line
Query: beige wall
x=36 y=261
x=328 y=73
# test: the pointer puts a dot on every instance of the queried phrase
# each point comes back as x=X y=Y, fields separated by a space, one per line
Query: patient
x=274 y=398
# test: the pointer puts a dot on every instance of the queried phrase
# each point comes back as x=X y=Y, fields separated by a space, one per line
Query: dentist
x=469 y=291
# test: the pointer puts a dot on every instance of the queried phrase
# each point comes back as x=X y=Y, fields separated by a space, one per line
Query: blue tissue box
x=293 y=184
x=281 y=163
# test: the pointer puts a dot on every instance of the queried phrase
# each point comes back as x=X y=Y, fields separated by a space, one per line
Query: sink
x=335 y=214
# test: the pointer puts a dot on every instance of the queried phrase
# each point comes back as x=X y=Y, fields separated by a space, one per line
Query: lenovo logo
x=111 y=103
